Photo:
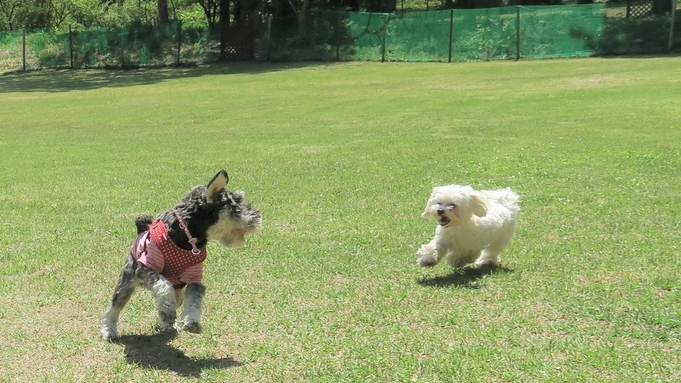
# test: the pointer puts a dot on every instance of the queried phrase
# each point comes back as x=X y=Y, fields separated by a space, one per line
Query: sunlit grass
x=341 y=159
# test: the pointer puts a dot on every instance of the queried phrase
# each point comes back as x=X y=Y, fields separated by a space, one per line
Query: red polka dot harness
x=176 y=259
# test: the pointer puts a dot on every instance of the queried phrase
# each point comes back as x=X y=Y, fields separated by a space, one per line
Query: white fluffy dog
x=473 y=225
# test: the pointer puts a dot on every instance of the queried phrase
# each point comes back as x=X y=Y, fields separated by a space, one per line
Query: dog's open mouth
x=444 y=221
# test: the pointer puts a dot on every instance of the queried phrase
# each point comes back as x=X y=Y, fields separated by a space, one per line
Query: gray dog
x=167 y=256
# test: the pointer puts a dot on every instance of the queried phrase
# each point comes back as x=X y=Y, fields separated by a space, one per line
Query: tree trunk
x=163 y=12
x=660 y=7
x=224 y=25
x=301 y=17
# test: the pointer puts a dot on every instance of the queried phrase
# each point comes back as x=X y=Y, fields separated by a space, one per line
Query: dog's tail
x=143 y=223
x=510 y=199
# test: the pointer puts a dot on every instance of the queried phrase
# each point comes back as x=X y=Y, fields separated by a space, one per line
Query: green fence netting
x=564 y=32
x=126 y=47
x=11 y=51
x=485 y=34
x=638 y=36
x=444 y=35
x=137 y=46
x=418 y=36
x=447 y=35
x=199 y=46
x=48 y=50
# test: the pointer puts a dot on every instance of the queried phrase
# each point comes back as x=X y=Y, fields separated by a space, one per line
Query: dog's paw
x=167 y=329
x=426 y=261
x=192 y=327
x=109 y=334
x=487 y=265
x=487 y=261
x=427 y=255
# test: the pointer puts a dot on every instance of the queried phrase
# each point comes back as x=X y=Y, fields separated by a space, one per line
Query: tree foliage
x=60 y=14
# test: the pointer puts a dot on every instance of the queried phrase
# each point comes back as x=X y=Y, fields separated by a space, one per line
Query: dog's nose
x=440 y=211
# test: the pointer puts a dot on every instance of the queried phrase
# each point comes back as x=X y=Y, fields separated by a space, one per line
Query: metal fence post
x=517 y=32
x=671 y=26
x=451 y=34
x=385 y=27
x=23 y=50
x=269 y=33
x=179 y=41
x=337 y=33
x=71 y=45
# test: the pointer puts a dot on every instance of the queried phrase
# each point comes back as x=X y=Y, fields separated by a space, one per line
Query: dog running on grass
x=167 y=256
x=473 y=226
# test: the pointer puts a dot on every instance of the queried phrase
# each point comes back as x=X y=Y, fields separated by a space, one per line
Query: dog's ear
x=478 y=205
x=215 y=185
x=429 y=210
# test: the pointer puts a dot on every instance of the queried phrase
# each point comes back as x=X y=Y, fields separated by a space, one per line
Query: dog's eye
x=452 y=205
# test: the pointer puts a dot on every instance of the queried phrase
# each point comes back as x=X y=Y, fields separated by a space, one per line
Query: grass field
x=341 y=159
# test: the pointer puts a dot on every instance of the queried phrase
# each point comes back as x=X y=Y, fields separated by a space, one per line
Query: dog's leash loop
x=192 y=240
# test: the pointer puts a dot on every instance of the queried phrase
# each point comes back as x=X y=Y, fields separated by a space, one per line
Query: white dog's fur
x=473 y=225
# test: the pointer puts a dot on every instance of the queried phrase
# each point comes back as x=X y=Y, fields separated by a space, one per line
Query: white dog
x=474 y=226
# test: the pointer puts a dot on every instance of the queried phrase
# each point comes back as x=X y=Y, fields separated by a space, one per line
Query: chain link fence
x=443 y=36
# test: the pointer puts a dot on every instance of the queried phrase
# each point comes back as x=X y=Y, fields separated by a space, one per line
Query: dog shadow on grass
x=467 y=277
x=156 y=352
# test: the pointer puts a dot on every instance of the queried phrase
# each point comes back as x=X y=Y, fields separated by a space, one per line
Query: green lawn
x=341 y=159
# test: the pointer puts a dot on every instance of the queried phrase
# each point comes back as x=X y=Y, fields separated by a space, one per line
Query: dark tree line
x=59 y=14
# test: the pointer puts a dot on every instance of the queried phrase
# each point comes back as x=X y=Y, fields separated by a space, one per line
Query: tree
x=28 y=13
x=163 y=12
x=536 y=2
x=85 y=13
x=8 y=13
x=301 y=17
x=300 y=10
x=210 y=9
x=61 y=11
x=224 y=26
x=660 y=7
